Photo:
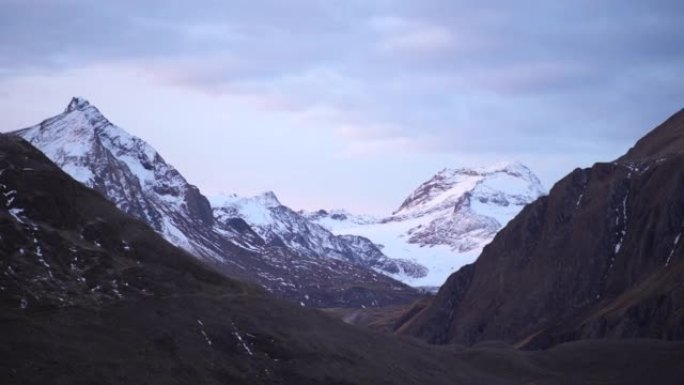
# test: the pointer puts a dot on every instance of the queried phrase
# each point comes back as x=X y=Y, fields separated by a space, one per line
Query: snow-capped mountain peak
x=499 y=184
x=77 y=103
x=124 y=168
x=444 y=223
x=465 y=207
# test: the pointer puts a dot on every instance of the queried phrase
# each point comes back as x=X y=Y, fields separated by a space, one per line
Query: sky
x=350 y=104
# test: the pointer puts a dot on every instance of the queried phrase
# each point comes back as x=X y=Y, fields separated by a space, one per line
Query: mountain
x=91 y=295
x=446 y=221
x=131 y=173
x=134 y=176
x=599 y=257
x=280 y=226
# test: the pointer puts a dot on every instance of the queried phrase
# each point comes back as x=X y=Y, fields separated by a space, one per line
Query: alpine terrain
x=279 y=225
x=600 y=257
x=312 y=268
x=446 y=221
x=91 y=295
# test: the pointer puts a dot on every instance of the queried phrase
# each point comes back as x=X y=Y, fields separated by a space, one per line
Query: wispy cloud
x=411 y=37
x=387 y=76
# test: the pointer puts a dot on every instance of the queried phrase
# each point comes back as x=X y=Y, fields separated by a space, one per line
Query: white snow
x=440 y=260
x=75 y=141
x=10 y=195
x=237 y=335
x=16 y=212
x=623 y=232
x=204 y=334
x=174 y=235
x=429 y=231
x=674 y=245
x=254 y=210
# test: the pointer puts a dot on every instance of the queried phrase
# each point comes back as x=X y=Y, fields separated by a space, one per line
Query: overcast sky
x=350 y=103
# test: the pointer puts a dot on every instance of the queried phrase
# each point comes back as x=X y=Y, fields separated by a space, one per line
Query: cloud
x=410 y=37
x=490 y=75
x=382 y=147
x=367 y=132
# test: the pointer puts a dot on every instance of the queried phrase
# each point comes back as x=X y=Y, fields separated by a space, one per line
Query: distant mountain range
x=290 y=257
x=280 y=226
x=446 y=221
x=317 y=259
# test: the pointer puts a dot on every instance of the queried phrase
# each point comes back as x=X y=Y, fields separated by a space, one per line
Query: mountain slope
x=130 y=173
x=90 y=295
x=279 y=225
x=600 y=256
x=446 y=221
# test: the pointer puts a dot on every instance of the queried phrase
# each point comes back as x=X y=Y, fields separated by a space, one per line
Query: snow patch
x=204 y=334
x=237 y=335
x=674 y=246
x=16 y=212
x=623 y=231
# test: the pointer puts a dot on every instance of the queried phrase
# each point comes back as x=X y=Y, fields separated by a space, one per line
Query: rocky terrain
x=311 y=268
x=599 y=257
x=446 y=221
x=280 y=226
x=91 y=295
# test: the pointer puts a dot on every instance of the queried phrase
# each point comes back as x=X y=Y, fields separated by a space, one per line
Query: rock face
x=64 y=245
x=90 y=295
x=131 y=174
x=600 y=256
x=447 y=220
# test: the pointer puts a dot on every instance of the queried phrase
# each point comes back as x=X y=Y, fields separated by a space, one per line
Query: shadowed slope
x=600 y=256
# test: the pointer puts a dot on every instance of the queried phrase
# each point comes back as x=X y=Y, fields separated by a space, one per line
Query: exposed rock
x=599 y=257
x=129 y=172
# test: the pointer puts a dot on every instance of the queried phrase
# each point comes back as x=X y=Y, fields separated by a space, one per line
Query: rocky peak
x=487 y=184
x=124 y=168
x=77 y=103
x=269 y=199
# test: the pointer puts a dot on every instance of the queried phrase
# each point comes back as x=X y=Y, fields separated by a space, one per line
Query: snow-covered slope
x=280 y=226
x=447 y=220
x=130 y=173
x=311 y=265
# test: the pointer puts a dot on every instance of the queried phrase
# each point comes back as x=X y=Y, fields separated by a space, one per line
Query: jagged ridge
x=130 y=173
x=280 y=226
